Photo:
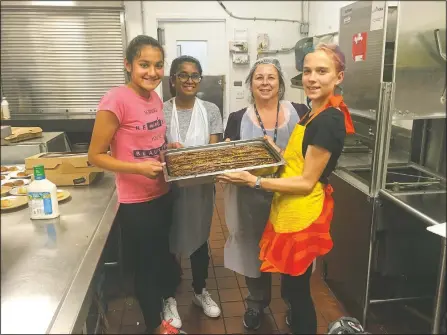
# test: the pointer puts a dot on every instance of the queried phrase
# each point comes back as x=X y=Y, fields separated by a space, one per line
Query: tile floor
x=229 y=290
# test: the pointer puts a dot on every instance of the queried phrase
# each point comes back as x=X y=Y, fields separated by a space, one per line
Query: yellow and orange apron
x=298 y=227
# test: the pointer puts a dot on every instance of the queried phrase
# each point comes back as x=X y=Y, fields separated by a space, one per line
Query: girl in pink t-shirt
x=130 y=121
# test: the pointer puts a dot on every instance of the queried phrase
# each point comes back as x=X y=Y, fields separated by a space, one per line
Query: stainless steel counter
x=355 y=160
x=48 y=265
x=365 y=159
x=428 y=207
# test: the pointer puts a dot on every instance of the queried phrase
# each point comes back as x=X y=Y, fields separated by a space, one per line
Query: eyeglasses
x=184 y=77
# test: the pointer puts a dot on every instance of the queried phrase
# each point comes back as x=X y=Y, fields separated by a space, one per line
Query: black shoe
x=289 y=317
x=252 y=319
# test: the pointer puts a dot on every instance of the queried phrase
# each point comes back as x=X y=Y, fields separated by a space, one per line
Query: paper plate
x=13 y=202
x=19 y=191
x=62 y=195
x=14 y=175
x=22 y=191
x=5 y=190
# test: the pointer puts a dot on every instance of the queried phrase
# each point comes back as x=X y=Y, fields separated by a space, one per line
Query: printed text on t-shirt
x=150 y=125
x=150 y=152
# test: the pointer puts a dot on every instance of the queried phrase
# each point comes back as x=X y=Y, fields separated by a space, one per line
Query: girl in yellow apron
x=298 y=227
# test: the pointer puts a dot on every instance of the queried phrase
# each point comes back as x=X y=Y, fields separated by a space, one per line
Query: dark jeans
x=297 y=291
x=259 y=291
x=145 y=229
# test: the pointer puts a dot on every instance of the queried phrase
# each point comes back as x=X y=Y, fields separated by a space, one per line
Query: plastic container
x=5 y=109
x=42 y=196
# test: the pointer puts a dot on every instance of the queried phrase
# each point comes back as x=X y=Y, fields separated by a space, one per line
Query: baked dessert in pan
x=219 y=159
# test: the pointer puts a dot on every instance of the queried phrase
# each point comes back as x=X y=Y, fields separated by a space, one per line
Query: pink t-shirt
x=140 y=136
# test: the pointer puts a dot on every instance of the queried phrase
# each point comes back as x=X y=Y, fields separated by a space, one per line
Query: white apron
x=246 y=213
x=247 y=210
x=193 y=206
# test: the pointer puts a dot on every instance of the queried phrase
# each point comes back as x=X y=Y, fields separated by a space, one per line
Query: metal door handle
x=443 y=56
x=438 y=44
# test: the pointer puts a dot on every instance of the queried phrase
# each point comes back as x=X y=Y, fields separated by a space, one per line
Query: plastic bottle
x=5 y=109
x=42 y=196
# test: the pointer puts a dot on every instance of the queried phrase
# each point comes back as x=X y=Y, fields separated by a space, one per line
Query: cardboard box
x=19 y=134
x=65 y=168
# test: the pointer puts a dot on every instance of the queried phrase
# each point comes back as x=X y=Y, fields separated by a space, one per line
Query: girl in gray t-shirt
x=191 y=121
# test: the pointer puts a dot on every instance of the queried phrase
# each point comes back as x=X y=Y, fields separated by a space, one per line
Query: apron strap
x=335 y=101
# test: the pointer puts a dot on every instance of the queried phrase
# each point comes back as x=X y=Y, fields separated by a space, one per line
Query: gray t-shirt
x=184 y=117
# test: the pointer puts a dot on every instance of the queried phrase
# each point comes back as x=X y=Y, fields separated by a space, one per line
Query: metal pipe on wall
x=302 y=11
x=304 y=28
x=256 y=18
x=143 y=26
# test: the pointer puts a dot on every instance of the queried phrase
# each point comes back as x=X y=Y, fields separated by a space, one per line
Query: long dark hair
x=139 y=42
x=175 y=67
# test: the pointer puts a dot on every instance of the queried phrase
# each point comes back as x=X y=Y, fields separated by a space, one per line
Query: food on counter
x=5 y=190
x=9 y=184
x=23 y=175
x=219 y=159
x=62 y=195
x=18 y=182
x=9 y=169
x=3 y=177
x=22 y=190
x=6 y=203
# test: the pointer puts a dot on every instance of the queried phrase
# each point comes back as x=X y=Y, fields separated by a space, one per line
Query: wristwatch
x=258 y=183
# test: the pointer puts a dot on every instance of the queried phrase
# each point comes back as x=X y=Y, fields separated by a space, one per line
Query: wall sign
x=359 y=43
x=346 y=11
x=377 y=15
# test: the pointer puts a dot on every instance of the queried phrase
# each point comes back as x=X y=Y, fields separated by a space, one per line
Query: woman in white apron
x=191 y=122
x=247 y=209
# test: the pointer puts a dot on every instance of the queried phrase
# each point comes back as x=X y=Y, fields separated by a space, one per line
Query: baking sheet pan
x=209 y=178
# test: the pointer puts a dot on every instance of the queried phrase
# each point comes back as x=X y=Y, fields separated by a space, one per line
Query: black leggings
x=200 y=260
x=297 y=291
x=145 y=228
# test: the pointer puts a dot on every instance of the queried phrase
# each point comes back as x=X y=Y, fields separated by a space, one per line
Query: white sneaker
x=170 y=313
x=207 y=303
